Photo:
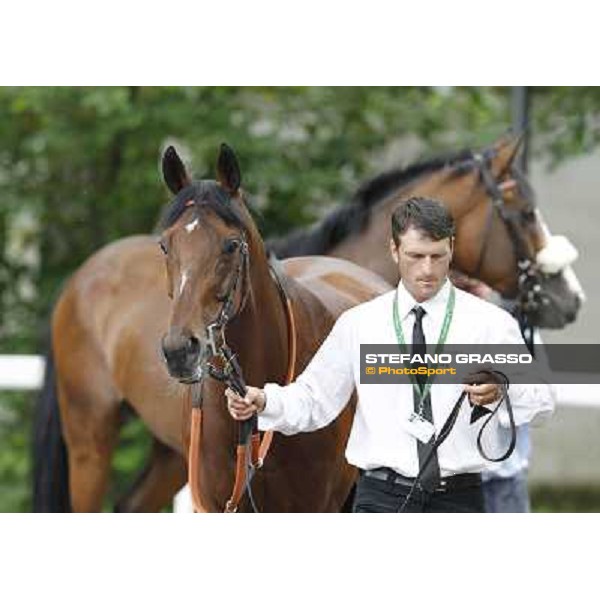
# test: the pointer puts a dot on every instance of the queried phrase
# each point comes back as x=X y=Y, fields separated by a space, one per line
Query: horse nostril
x=180 y=349
x=164 y=348
x=193 y=346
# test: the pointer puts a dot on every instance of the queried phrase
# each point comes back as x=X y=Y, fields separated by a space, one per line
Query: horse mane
x=207 y=194
x=355 y=216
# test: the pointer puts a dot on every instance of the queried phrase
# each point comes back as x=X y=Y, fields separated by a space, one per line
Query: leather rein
x=251 y=450
x=477 y=412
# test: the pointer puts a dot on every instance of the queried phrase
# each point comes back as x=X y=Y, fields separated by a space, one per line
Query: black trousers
x=375 y=495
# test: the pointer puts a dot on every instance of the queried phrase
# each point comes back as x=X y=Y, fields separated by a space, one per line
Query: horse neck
x=264 y=316
x=258 y=334
x=469 y=205
x=369 y=248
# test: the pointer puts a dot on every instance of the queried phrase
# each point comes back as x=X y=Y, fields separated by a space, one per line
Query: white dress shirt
x=377 y=438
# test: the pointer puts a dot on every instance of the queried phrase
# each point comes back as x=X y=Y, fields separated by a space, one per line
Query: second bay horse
x=502 y=237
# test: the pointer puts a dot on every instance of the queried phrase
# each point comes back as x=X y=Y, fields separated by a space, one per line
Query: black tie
x=431 y=476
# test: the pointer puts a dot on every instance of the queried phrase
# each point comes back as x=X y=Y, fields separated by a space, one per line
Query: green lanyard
x=442 y=340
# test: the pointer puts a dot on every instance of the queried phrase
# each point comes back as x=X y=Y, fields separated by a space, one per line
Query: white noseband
x=556 y=255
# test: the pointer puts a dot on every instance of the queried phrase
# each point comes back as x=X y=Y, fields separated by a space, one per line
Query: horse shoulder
x=111 y=315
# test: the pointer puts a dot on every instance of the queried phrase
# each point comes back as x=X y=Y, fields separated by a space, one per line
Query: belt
x=447 y=484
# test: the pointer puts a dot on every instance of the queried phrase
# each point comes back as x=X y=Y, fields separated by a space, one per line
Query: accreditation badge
x=419 y=428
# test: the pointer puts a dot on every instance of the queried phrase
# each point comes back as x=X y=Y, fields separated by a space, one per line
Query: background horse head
x=502 y=238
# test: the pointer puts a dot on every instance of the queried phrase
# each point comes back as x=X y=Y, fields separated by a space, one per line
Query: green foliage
x=567 y=117
x=83 y=163
x=568 y=498
x=130 y=458
x=15 y=455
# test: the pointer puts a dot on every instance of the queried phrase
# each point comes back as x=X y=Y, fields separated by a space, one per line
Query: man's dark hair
x=425 y=214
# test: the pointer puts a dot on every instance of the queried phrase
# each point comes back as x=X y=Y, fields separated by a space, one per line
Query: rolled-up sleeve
x=320 y=393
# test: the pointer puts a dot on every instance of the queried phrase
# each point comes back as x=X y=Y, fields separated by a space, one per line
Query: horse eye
x=230 y=246
x=163 y=247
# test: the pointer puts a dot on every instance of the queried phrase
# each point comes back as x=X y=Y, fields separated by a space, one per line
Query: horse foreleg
x=164 y=475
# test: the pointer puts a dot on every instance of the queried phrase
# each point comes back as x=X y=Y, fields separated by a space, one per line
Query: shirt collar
x=438 y=303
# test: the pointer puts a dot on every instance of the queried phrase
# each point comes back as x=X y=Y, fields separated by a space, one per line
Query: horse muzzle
x=559 y=303
x=561 y=293
x=182 y=354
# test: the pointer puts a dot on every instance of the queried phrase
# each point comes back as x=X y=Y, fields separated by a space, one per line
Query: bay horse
x=502 y=238
x=102 y=333
x=109 y=339
x=215 y=257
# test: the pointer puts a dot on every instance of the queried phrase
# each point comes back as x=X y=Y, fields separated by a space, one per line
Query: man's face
x=422 y=262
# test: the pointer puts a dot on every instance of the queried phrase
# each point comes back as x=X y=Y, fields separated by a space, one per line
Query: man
x=384 y=442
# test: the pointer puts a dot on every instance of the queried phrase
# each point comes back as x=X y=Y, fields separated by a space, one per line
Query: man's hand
x=483 y=393
x=242 y=409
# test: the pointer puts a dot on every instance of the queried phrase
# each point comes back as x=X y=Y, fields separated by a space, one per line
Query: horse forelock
x=204 y=194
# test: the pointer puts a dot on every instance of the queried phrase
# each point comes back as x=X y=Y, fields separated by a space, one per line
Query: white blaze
x=191 y=226
x=573 y=283
x=184 y=279
x=558 y=254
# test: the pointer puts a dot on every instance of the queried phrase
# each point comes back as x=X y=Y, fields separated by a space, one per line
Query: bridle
x=530 y=293
x=215 y=331
x=251 y=450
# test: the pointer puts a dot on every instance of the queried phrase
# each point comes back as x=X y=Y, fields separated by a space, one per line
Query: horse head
x=514 y=250
x=206 y=238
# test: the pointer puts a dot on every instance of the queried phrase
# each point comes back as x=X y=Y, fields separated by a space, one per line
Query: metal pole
x=520 y=104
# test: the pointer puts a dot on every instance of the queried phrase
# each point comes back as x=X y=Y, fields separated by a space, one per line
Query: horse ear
x=228 y=170
x=174 y=172
x=506 y=152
